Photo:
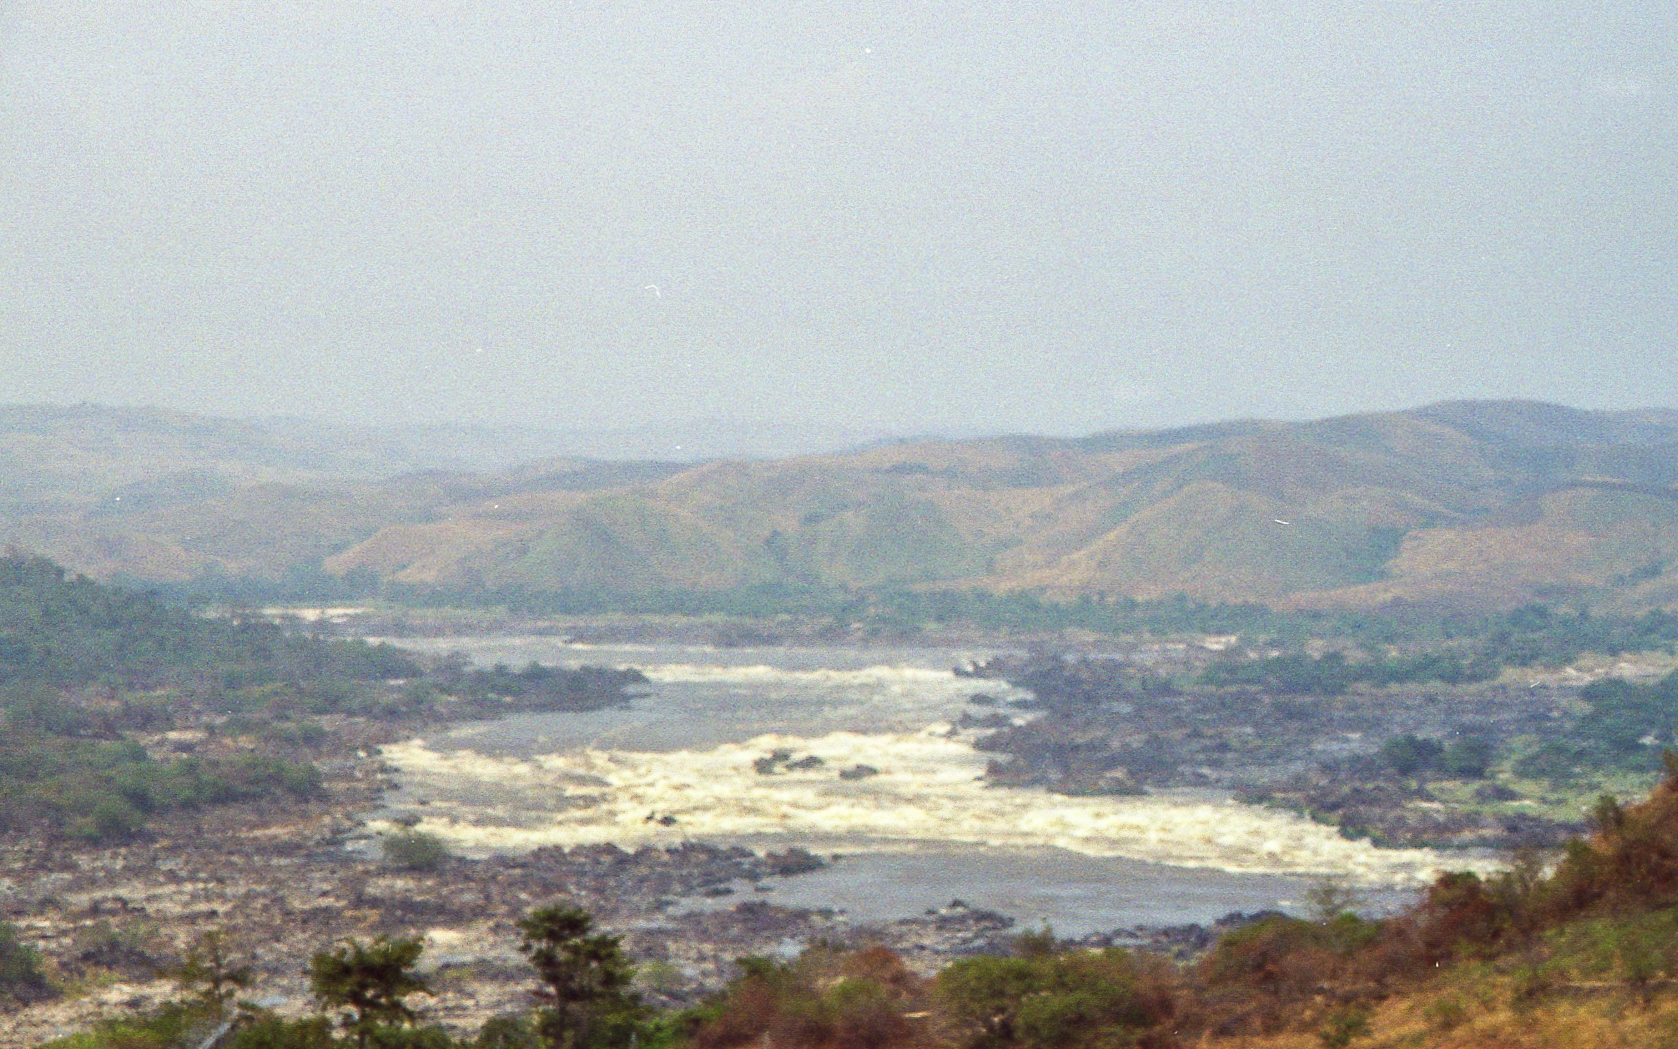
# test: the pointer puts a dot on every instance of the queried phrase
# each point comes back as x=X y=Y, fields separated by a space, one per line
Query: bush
x=1553 y=761
x=103 y=790
x=413 y=850
x=20 y=968
x=1467 y=758
x=1343 y=1025
x=824 y=998
x=430 y=1037
x=1049 y=1001
x=1276 y=952
x=272 y=1032
x=1408 y=755
x=507 y=1031
x=112 y=819
x=133 y=944
x=171 y=1027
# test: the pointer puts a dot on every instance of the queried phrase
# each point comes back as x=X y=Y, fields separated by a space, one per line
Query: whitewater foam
x=929 y=791
x=891 y=676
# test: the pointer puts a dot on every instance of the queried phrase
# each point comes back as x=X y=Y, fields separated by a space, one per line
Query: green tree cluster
x=1056 y=1000
x=1466 y=757
x=101 y=790
x=585 y=977
x=1625 y=726
x=63 y=630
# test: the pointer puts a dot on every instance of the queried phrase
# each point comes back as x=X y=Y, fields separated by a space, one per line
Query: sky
x=915 y=217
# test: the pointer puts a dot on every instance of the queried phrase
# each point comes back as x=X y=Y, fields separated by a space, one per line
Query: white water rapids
x=682 y=763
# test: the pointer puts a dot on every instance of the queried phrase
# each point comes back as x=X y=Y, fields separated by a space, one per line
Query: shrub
x=1408 y=755
x=413 y=850
x=1532 y=984
x=1049 y=1001
x=133 y=944
x=1344 y=1024
x=1467 y=758
x=823 y=999
x=169 y=1027
x=112 y=819
x=507 y=1031
x=1553 y=761
x=272 y=1032
x=20 y=968
x=1274 y=953
x=1460 y=917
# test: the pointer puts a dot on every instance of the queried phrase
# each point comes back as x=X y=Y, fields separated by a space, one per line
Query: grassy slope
x=1584 y=958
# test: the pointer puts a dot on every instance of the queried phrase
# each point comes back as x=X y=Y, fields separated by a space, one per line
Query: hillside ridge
x=1488 y=503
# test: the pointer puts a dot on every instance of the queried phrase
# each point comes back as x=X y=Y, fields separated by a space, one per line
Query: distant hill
x=1481 y=503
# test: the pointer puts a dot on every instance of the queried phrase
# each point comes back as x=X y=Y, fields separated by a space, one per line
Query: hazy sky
x=907 y=216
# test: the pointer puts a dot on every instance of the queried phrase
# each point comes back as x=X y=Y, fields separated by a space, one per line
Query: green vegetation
x=1397 y=646
x=63 y=631
x=367 y=988
x=91 y=675
x=1465 y=758
x=412 y=850
x=21 y=976
x=457 y=692
x=1459 y=652
x=132 y=945
x=175 y=1026
x=97 y=789
x=826 y=997
x=1050 y=1000
x=585 y=978
x=368 y=985
x=1622 y=730
x=211 y=975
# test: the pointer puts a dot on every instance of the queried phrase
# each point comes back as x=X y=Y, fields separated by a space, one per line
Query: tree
x=982 y=995
x=585 y=975
x=368 y=982
x=1408 y=755
x=1080 y=1000
x=1467 y=758
x=1330 y=897
x=208 y=968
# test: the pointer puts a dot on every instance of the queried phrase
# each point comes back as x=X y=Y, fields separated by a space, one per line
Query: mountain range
x=1462 y=503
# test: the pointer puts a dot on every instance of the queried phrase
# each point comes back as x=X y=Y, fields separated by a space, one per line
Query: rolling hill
x=1479 y=503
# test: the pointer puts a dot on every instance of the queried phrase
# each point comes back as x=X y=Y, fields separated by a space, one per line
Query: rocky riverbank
x=1112 y=727
x=109 y=922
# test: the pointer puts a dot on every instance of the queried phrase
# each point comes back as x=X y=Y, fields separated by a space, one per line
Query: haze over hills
x=1485 y=503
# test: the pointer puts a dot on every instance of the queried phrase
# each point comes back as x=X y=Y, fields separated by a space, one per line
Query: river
x=748 y=746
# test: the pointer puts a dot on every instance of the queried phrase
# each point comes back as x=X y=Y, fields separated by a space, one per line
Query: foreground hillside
x=1581 y=956
x=1488 y=503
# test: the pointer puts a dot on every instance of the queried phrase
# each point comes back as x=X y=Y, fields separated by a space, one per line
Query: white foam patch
x=875 y=676
x=929 y=791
